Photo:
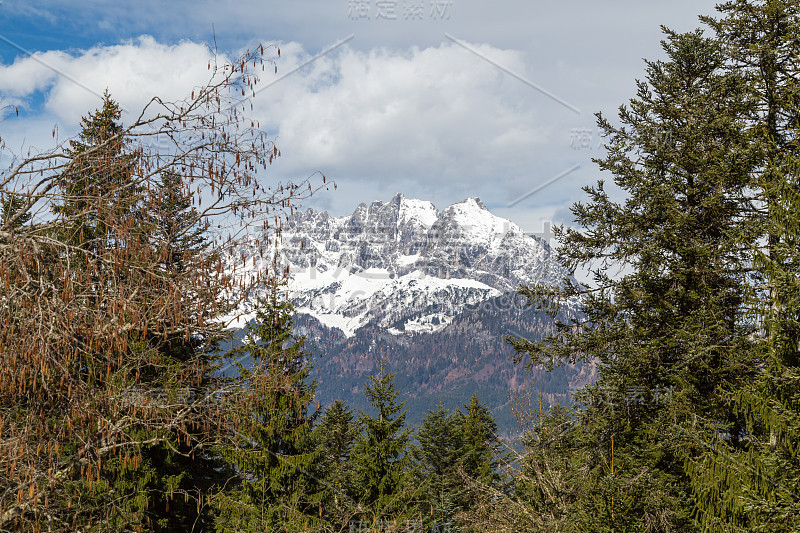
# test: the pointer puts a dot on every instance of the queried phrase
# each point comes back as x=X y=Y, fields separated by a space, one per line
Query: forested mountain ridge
x=468 y=355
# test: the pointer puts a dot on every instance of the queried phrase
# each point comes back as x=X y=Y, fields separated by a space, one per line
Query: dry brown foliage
x=89 y=303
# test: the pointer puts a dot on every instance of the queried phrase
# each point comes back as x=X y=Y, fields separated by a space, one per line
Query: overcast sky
x=438 y=99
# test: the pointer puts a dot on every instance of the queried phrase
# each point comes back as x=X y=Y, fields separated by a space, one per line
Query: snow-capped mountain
x=431 y=292
x=406 y=267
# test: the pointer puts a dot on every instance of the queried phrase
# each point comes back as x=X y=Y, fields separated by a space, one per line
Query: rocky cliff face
x=406 y=267
x=434 y=291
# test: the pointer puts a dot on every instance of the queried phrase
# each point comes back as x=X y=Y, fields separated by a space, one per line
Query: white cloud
x=438 y=116
x=433 y=113
x=394 y=110
x=133 y=72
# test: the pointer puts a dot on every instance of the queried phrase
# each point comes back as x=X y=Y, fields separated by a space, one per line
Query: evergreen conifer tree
x=440 y=451
x=9 y=207
x=274 y=452
x=762 y=41
x=482 y=451
x=181 y=466
x=179 y=234
x=106 y=213
x=381 y=455
x=553 y=467
x=334 y=437
x=102 y=204
x=754 y=486
x=109 y=402
x=669 y=335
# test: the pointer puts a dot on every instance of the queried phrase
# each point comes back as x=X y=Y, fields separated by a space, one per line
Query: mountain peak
x=399 y=265
x=412 y=210
x=473 y=201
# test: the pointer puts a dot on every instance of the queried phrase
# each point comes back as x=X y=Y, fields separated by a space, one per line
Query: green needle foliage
x=334 y=437
x=115 y=415
x=103 y=215
x=102 y=199
x=669 y=333
x=553 y=468
x=9 y=207
x=458 y=460
x=381 y=456
x=178 y=234
x=482 y=451
x=755 y=486
x=441 y=446
x=273 y=452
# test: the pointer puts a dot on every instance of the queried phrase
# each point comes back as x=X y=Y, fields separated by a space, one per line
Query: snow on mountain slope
x=403 y=265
